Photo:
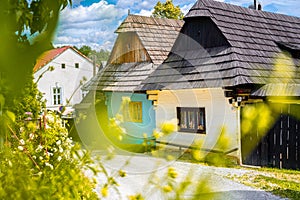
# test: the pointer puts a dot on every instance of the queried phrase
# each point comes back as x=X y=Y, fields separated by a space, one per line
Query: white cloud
x=145 y=12
x=185 y=9
x=89 y=25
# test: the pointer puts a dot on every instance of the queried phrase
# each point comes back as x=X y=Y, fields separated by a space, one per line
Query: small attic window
x=77 y=65
x=63 y=65
x=293 y=49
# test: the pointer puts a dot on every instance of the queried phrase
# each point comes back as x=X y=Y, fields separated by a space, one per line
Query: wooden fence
x=280 y=147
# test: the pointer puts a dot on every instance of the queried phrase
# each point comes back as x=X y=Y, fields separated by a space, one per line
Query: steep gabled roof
x=50 y=55
x=255 y=37
x=248 y=28
x=156 y=34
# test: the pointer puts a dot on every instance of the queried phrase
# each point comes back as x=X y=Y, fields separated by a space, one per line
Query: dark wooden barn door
x=280 y=147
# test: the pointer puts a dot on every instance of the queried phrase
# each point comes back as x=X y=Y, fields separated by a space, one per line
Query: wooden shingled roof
x=156 y=35
x=126 y=77
x=254 y=39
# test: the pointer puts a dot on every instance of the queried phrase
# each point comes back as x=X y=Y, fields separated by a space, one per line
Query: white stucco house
x=59 y=74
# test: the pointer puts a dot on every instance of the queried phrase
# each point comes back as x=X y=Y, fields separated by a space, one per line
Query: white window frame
x=55 y=95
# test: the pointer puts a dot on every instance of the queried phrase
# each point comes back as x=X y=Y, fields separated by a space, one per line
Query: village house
x=224 y=58
x=142 y=44
x=60 y=74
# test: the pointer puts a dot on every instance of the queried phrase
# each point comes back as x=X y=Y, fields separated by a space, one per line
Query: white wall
x=68 y=78
x=218 y=112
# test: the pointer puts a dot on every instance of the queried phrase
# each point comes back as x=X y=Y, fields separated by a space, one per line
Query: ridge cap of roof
x=211 y=4
x=131 y=17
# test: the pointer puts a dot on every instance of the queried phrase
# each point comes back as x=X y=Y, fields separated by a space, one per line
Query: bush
x=41 y=163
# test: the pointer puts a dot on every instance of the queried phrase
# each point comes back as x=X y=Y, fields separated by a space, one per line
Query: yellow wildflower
x=157 y=134
x=167 y=188
x=122 y=173
x=136 y=197
x=104 y=191
x=172 y=172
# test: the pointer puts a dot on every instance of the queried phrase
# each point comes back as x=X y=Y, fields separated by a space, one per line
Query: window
x=133 y=112
x=57 y=95
x=191 y=119
x=63 y=65
x=76 y=65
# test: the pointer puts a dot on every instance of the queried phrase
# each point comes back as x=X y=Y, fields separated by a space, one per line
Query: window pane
x=58 y=99
x=200 y=120
x=57 y=95
x=133 y=112
x=183 y=121
x=191 y=119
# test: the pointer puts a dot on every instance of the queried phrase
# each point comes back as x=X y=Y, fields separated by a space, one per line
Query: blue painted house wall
x=134 y=131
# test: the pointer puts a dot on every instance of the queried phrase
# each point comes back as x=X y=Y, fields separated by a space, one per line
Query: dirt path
x=141 y=170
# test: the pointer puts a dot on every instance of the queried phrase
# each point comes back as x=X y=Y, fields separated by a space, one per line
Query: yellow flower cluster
x=172 y=172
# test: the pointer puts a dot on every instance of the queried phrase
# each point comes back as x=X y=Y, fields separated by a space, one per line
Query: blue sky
x=93 y=22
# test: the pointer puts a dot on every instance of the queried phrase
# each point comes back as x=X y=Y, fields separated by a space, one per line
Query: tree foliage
x=167 y=10
x=36 y=162
x=27 y=28
x=97 y=56
x=85 y=50
x=30 y=101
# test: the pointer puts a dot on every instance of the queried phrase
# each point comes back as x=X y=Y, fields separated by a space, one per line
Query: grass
x=283 y=183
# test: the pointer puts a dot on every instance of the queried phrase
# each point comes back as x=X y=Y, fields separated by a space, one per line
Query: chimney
x=259 y=7
x=255 y=5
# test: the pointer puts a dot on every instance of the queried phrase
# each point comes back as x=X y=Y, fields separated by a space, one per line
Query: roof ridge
x=139 y=19
x=212 y=4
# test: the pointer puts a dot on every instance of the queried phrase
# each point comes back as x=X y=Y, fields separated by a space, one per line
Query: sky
x=93 y=22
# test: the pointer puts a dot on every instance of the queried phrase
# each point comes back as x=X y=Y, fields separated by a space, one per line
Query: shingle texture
x=124 y=77
x=254 y=39
x=156 y=35
x=278 y=90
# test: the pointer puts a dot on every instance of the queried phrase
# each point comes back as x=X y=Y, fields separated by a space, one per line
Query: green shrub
x=44 y=164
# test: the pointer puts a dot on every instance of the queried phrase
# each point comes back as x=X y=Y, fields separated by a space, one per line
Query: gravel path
x=141 y=170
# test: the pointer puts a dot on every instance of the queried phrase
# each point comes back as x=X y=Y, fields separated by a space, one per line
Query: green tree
x=30 y=101
x=85 y=50
x=27 y=28
x=167 y=10
x=99 y=56
x=35 y=162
